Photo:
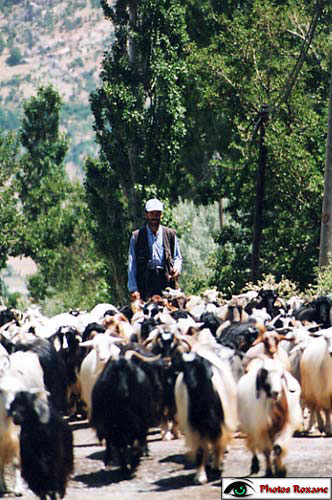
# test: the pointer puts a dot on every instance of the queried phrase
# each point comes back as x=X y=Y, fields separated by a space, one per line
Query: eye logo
x=240 y=489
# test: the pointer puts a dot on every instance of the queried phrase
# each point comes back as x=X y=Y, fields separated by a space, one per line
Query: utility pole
x=260 y=189
x=325 y=248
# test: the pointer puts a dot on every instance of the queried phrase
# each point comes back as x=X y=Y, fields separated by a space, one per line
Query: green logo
x=240 y=489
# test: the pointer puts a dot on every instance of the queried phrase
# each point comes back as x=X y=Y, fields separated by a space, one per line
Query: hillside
x=58 y=42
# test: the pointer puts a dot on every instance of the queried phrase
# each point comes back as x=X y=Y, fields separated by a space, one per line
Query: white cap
x=154 y=204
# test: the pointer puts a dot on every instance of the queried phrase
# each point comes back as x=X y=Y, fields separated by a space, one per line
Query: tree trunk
x=132 y=51
x=221 y=213
x=259 y=203
x=134 y=203
x=326 y=221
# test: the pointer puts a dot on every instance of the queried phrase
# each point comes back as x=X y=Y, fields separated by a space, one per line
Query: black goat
x=205 y=397
x=147 y=326
x=92 y=327
x=46 y=445
x=211 y=321
x=318 y=310
x=67 y=340
x=239 y=336
x=265 y=298
x=122 y=411
x=9 y=314
x=170 y=348
x=54 y=369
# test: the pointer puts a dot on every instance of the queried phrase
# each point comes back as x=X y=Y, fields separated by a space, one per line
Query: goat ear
x=260 y=380
x=4 y=364
x=42 y=409
x=86 y=343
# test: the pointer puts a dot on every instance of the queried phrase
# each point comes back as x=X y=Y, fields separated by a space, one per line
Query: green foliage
x=230 y=261
x=42 y=181
x=77 y=277
x=9 y=120
x=176 y=120
x=15 y=57
x=109 y=224
x=244 y=63
x=322 y=284
x=284 y=288
x=56 y=232
x=196 y=229
x=10 y=218
x=138 y=116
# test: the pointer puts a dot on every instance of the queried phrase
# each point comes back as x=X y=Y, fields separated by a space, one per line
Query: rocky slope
x=58 y=42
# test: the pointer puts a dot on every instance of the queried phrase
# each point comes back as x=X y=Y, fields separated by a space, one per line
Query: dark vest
x=143 y=256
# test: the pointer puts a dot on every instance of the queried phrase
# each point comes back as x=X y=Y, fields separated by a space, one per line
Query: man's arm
x=132 y=282
x=177 y=264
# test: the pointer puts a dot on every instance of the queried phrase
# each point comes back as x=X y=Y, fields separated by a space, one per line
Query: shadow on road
x=102 y=478
x=179 y=459
x=97 y=455
x=175 y=483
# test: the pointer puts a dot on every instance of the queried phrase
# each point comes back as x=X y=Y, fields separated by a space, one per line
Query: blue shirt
x=156 y=247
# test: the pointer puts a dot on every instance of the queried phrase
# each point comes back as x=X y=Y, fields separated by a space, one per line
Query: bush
x=323 y=285
x=15 y=57
x=284 y=288
x=2 y=44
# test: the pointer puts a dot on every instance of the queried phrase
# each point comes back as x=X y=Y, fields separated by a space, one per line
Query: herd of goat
x=201 y=366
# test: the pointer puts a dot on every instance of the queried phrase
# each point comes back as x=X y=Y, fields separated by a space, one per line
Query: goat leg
x=268 y=471
x=280 y=470
x=201 y=460
x=254 y=465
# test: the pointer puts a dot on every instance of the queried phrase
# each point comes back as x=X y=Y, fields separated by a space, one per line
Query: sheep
x=205 y=395
x=46 y=445
x=269 y=410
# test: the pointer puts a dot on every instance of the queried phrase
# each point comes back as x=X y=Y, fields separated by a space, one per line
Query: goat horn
x=182 y=340
x=129 y=354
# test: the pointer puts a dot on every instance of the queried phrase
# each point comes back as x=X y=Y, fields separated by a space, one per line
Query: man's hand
x=175 y=274
x=134 y=296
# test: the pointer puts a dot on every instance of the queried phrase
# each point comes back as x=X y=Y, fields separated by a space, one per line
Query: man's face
x=153 y=218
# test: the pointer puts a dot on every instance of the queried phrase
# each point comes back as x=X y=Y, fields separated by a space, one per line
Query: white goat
x=316 y=380
x=269 y=412
x=102 y=349
x=18 y=372
x=205 y=395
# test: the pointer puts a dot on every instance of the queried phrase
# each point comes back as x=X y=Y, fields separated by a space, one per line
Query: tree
x=10 y=219
x=138 y=119
x=246 y=64
x=325 y=247
x=110 y=223
x=77 y=279
x=43 y=184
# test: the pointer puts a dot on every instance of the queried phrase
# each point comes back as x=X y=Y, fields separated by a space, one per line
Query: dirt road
x=164 y=475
